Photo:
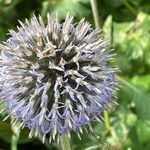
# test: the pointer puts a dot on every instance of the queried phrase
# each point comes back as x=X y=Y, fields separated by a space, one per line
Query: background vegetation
x=126 y=23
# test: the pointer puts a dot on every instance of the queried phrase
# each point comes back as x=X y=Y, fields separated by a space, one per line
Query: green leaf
x=65 y=6
x=143 y=129
x=142 y=81
x=114 y=3
x=133 y=135
x=123 y=15
x=139 y=97
x=5 y=131
x=145 y=6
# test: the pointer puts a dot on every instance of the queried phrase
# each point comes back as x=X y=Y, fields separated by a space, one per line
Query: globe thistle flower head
x=55 y=76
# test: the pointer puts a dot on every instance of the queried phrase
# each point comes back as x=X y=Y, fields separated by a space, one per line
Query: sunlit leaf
x=141 y=99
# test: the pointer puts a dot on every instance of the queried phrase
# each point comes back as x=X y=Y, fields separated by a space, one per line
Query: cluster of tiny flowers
x=55 y=77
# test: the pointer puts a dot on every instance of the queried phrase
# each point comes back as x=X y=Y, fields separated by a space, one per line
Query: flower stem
x=14 y=141
x=15 y=137
x=107 y=122
x=97 y=25
x=95 y=13
x=65 y=142
x=112 y=32
x=132 y=9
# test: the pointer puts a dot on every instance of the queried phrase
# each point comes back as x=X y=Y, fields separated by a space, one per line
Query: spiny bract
x=54 y=77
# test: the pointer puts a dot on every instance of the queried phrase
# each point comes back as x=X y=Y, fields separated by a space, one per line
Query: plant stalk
x=95 y=13
x=14 y=142
x=64 y=141
x=107 y=121
x=132 y=9
x=15 y=137
x=97 y=25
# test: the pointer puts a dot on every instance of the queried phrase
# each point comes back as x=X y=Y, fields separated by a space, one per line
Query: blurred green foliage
x=126 y=23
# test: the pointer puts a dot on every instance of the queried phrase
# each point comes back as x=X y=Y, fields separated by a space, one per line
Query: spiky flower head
x=55 y=76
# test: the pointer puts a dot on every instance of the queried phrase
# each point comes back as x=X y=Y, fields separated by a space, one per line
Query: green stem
x=133 y=10
x=95 y=13
x=14 y=141
x=112 y=32
x=107 y=121
x=14 y=137
x=65 y=142
x=97 y=25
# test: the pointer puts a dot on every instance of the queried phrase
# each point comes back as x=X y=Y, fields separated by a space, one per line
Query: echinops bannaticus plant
x=55 y=77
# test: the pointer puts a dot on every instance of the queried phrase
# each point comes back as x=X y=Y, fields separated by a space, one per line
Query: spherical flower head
x=55 y=76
